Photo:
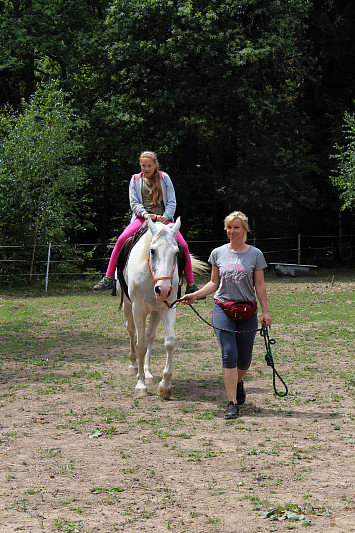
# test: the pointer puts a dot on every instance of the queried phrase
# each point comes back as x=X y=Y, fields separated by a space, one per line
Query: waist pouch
x=239 y=310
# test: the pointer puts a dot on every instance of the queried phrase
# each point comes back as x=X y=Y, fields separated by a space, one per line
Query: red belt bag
x=240 y=310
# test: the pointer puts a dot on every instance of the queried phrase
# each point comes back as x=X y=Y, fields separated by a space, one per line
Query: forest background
x=247 y=103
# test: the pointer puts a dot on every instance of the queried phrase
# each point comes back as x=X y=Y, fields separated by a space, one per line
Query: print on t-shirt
x=234 y=271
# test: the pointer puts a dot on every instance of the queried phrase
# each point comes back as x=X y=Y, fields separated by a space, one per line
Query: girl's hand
x=160 y=218
x=153 y=217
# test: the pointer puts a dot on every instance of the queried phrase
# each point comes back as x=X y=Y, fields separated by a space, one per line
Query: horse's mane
x=146 y=240
x=147 y=237
x=162 y=228
x=198 y=266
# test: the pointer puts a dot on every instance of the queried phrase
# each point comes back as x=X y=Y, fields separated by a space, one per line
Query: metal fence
x=91 y=259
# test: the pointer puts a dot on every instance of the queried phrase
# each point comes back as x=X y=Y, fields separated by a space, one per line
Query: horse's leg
x=127 y=308
x=141 y=347
x=165 y=386
x=150 y=336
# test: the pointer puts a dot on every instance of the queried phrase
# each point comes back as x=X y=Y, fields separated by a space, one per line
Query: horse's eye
x=152 y=251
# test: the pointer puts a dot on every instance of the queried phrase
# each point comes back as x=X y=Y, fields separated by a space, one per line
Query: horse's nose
x=161 y=292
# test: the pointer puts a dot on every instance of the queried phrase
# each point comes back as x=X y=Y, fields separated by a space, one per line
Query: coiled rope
x=264 y=332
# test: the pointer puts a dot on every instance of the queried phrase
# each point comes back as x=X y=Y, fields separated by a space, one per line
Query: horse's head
x=163 y=253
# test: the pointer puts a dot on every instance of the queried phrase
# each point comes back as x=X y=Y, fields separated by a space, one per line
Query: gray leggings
x=236 y=348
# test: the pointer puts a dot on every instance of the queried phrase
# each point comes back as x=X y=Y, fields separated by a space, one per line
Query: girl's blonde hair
x=243 y=218
x=156 y=192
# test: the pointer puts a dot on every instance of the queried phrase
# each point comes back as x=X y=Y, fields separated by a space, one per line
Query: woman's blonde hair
x=156 y=192
x=243 y=218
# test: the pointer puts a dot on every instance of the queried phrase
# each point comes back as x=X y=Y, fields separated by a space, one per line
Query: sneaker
x=241 y=395
x=232 y=411
x=193 y=288
x=105 y=283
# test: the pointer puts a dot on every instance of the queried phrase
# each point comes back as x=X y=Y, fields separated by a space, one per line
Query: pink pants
x=128 y=232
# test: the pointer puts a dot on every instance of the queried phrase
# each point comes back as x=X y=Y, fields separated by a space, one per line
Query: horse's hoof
x=132 y=370
x=140 y=393
x=149 y=380
x=164 y=393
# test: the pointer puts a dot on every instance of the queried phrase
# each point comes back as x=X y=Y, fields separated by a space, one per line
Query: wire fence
x=91 y=259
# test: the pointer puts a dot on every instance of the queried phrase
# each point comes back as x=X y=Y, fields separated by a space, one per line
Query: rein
x=268 y=342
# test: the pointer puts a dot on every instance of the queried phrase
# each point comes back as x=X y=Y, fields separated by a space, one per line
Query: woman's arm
x=207 y=289
x=260 y=289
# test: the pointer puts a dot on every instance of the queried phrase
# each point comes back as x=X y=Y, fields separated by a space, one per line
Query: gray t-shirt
x=236 y=272
x=151 y=209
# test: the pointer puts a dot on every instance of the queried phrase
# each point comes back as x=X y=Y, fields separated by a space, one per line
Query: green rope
x=264 y=332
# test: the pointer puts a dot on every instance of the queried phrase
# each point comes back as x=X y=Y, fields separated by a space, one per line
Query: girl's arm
x=137 y=207
x=170 y=205
x=262 y=296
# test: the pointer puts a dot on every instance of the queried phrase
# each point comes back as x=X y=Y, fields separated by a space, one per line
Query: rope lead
x=270 y=362
x=264 y=332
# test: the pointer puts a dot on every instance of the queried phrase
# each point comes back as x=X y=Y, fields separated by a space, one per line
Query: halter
x=161 y=277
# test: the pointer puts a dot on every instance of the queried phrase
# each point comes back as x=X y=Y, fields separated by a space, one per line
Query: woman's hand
x=188 y=298
x=265 y=317
x=160 y=218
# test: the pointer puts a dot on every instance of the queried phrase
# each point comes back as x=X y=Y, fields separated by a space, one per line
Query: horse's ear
x=176 y=226
x=151 y=226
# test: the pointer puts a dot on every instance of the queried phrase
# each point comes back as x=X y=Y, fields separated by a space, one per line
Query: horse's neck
x=146 y=240
x=141 y=249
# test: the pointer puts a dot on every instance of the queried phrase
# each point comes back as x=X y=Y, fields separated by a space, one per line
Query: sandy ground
x=80 y=454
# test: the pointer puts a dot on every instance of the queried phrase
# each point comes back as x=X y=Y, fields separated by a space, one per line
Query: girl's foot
x=105 y=283
x=193 y=288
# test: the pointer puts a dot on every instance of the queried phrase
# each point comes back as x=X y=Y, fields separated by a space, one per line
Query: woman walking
x=237 y=275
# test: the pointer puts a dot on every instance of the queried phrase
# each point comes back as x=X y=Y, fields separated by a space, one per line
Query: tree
x=213 y=87
x=42 y=195
x=325 y=96
x=242 y=100
x=40 y=39
x=344 y=175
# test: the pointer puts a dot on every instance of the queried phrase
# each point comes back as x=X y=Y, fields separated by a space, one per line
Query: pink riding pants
x=128 y=232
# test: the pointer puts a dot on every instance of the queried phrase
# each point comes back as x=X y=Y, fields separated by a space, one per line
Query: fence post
x=47 y=271
x=299 y=249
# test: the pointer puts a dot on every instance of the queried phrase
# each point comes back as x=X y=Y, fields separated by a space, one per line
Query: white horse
x=151 y=275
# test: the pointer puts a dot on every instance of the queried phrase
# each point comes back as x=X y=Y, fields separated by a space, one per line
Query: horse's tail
x=198 y=266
